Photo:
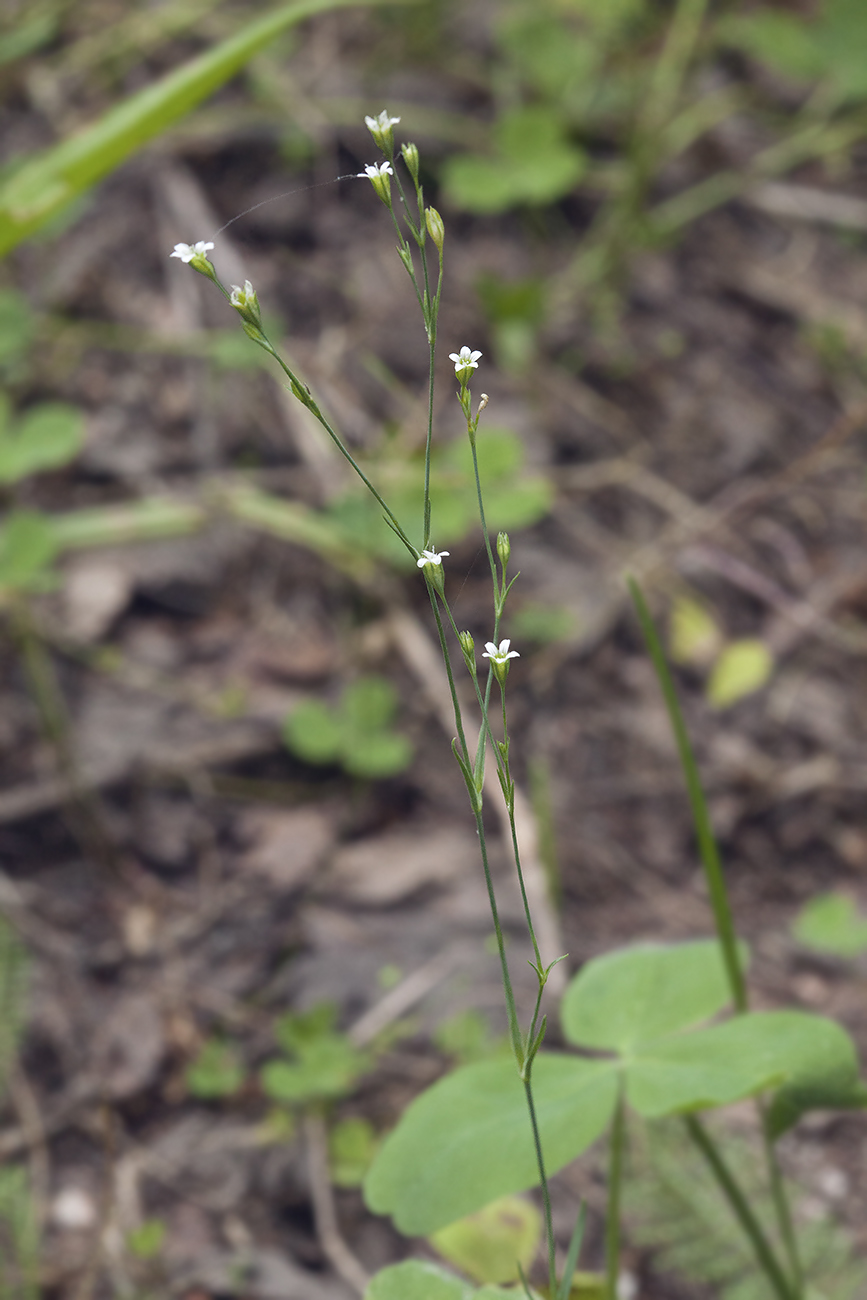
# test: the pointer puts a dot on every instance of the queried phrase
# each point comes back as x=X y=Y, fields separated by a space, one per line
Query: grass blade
x=701 y=817
x=574 y=1251
x=44 y=184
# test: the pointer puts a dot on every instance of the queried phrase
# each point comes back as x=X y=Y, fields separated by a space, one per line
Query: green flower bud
x=504 y=549
x=468 y=649
x=435 y=228
x=410 y=157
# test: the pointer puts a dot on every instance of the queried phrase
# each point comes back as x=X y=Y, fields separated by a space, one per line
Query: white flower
x=382 y=122
x=431 y=557
x=373 y=171
x=465 y=360
x=186 y=252
x=239 y=296
x=499 y=656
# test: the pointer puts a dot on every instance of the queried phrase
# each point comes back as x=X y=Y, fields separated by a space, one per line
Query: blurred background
x=244 y=919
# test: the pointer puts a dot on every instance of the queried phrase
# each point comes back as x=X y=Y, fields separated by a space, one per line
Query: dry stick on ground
x=338 y=1253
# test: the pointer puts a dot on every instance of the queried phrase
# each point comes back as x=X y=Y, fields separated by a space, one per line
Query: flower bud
x=410 y=157
x=435 y=228
x=246 y=303
x=504 y=549
x=468 y=649
x=435 y=577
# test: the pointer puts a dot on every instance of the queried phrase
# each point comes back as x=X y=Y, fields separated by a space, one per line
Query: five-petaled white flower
x=373 y=171
x=431 y=557
x=465 y=359
x=186 y=252
x=381 y=122
x=499 y=655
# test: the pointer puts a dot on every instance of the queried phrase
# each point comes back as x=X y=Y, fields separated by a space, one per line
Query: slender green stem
x=511 y=1008
x=459 y=722
x=722 y=912
x=510 y=806
x=546 y=1191
x=740 y=1207
x=781 y=1206
x=503 y=767
x=701 y=817
x=481 y=504
x=82 y=809
x=616 y=1148
x=344 y=450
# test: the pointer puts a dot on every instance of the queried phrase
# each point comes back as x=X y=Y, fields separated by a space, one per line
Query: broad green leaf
x=720 y=1065
x=511 y=506
x=377 y=755
x=417 y=1280
x=27 y=548
x=641 y=994
x=500 y=453
x=44 y=184
x=467 y=1141
x=490 y=1244
x=694 y=637
x=313 y=732
x=46 y=437
x=832 y=923
x=743 y=668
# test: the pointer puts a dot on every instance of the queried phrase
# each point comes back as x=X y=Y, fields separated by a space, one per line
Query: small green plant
x=318 y=1063
x=355 y=733
x=146 y=1241
x=216 y=1071
x=656 y=1031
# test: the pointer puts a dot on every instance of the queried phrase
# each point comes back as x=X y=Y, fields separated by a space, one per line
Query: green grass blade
x=574 y=1251
x=47 y=182
x=701 y=818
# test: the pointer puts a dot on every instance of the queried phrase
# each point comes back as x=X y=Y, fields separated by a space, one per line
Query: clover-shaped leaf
x=355 y=732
